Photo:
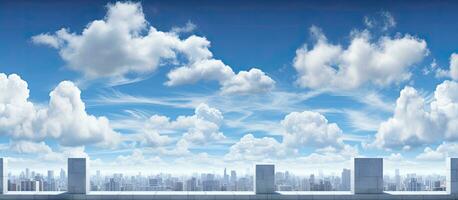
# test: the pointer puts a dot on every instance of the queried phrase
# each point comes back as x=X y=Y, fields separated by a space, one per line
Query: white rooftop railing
x=366 y=183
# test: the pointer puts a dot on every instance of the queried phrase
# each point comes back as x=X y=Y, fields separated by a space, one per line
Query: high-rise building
x=414 y=185
x=112 y=185
x=312 y=182
x=50 y=175
x=286 y=176
x=233 y=176
x=245 y=184
x=62 y=175
x=62 y=184
x=191 y=184
x=13 y=186
x=30 y=185
x=233 y=184
x=27 y=173
x=305 y=184
x=327 y=185
x=50 y=184
x=209 y=183
x=346 y=182
x=397 y=178
x=225 y=177
x=178 y=186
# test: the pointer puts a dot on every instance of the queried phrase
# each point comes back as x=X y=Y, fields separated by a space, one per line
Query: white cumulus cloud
x=30 y=147
x=416 y=122
x=200 y=128
x=246 y=82
x=300 y=129
x=64 y=118
x=115 y=45
x=444 y=150
x=250 y=148
x=203 y=126
x=381 y=63
x=200 y=70
x=123 y=44
x=453 y=68
x=310 y=128
x=67 y=120
x=16 y=112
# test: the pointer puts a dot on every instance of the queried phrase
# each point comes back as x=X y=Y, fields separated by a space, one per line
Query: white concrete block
x=264 y=182
x=367 y=176
x=452 y=176
x=78 y=175
x=3 y=176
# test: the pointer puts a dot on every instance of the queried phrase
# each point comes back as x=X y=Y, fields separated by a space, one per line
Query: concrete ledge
x=200 y=195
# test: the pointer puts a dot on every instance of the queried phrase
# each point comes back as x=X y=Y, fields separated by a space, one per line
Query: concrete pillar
x=367 y=176
x=3 y=176
x=78 y=175
x=452 y=176
x=264 y=182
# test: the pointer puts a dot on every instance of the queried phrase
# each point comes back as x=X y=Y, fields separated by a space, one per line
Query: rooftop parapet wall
x=264 y=179
x=3 y=176
x=78 y=176
x=366 y=181
x=367 y=176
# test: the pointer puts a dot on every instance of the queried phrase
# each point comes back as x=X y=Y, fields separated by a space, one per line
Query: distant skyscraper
x=327 y=185
x=27 y=173
x=233 y=184
x=305 y=185
x=28 y=185
x=113 y=185
x=178 y=186
x=397 y=178
x=50 y=175
x=233 y=176
x=50 y=184
x=225 y=177
x=62 y=175
x=191 y=184
x=286 y=176
x=346 y=176
x=414 y=185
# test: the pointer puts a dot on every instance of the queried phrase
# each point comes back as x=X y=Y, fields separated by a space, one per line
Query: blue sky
x=188 y=86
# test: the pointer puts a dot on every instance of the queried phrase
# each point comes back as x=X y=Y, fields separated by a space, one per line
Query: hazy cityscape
x=228 y=180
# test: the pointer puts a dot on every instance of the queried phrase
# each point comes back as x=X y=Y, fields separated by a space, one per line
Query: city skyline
x=198 y=86
x=228 y=180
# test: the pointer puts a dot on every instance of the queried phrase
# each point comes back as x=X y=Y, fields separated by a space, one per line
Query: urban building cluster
x=166 y=182
x=286 y=181
x=29 y=180
x=414 y=182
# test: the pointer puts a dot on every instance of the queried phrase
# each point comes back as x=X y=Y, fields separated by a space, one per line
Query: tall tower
x=50 y=175
x=27 y=173
x=226 y=177
x=397 y=178
x=346 y=179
